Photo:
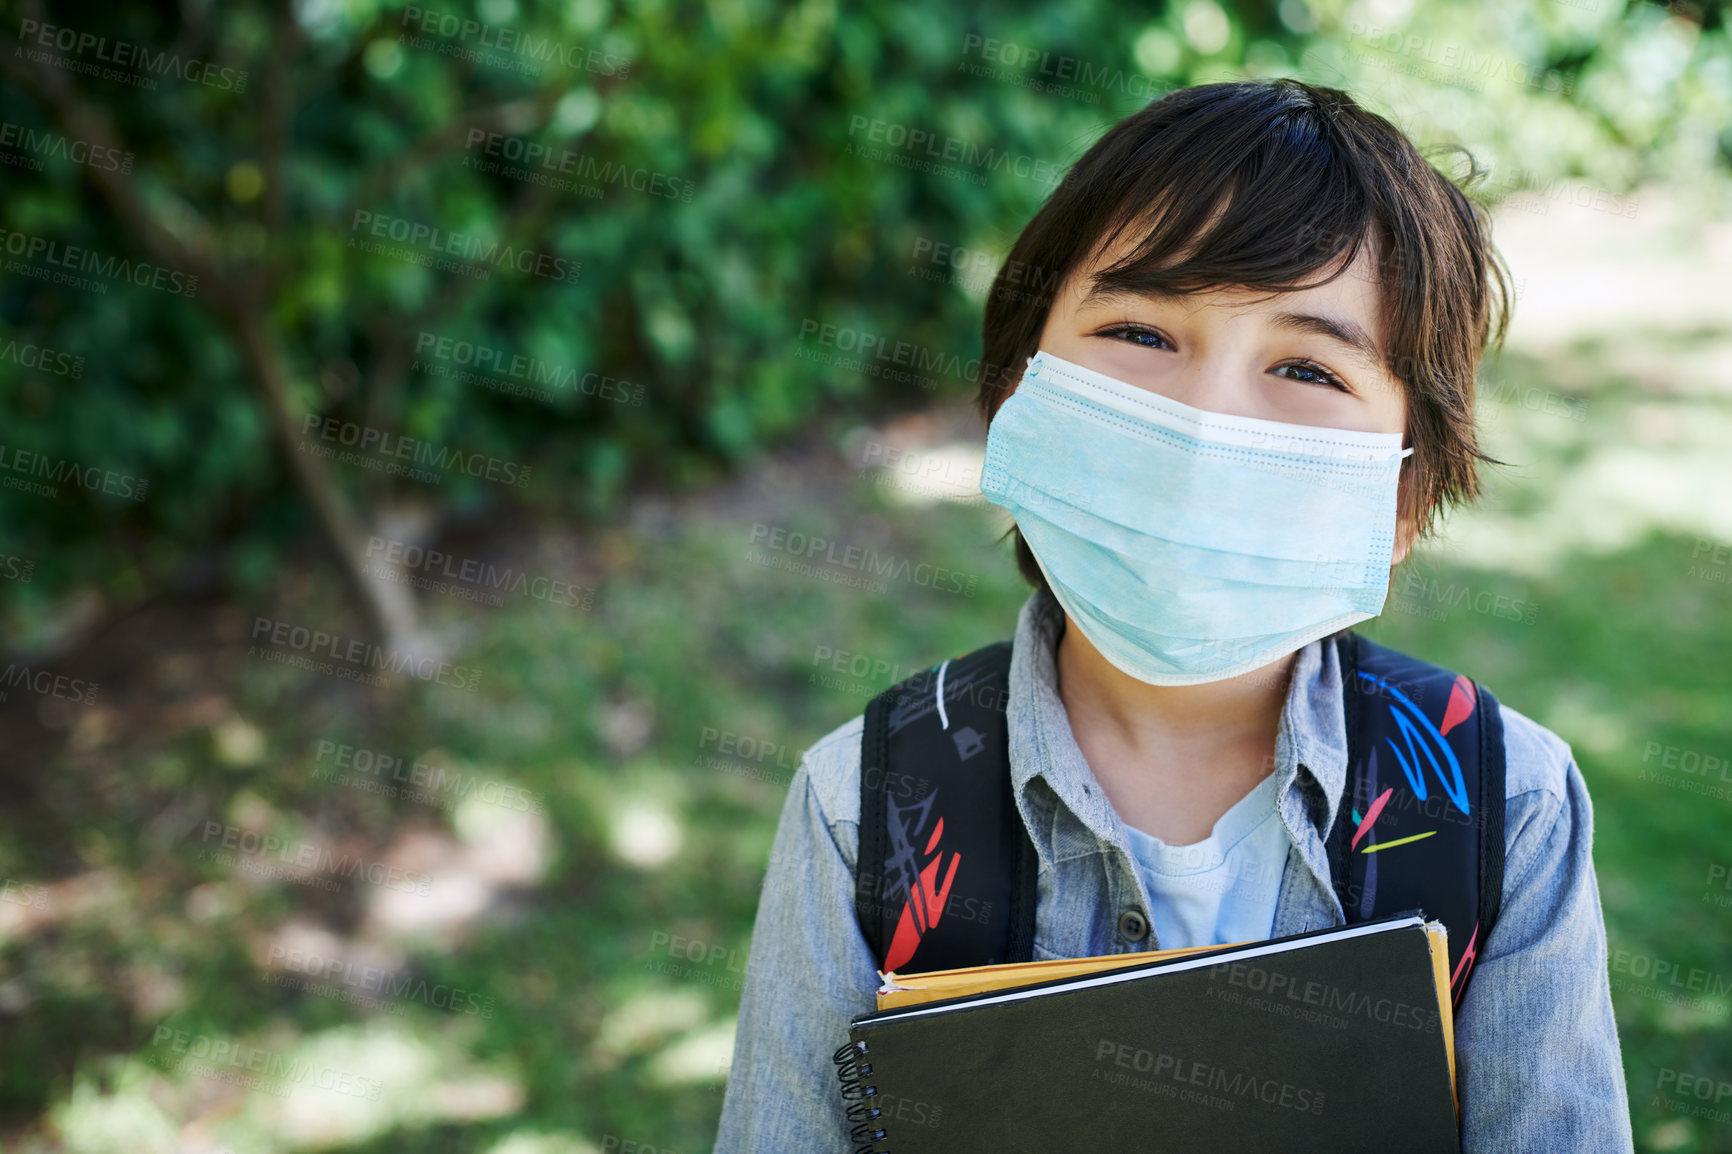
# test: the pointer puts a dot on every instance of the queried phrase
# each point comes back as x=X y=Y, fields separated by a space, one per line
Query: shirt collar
x=1310 y=744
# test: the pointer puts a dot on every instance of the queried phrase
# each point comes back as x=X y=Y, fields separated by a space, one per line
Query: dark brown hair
x=1302 y=177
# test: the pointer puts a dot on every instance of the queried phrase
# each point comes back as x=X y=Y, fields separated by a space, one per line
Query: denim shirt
x=1538 y=1065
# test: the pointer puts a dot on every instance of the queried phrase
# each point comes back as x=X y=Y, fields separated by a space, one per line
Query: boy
x=1242 y=279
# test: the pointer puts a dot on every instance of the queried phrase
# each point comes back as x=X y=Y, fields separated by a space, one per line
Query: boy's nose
x=1214 y=384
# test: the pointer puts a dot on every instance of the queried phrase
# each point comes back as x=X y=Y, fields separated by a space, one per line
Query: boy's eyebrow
x=1339 y=329
x=1100 y=294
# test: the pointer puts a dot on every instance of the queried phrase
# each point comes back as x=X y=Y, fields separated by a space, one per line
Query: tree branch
x=390 y=608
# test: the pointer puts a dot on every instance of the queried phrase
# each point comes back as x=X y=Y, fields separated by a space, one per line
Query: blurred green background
x=405 y=414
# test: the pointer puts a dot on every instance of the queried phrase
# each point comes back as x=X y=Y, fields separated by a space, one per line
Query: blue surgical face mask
x=1191 y=546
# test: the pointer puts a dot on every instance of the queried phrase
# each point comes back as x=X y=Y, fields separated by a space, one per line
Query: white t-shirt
x=1221 y=889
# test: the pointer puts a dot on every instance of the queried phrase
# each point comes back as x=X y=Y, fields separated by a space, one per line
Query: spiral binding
x=861 y=1112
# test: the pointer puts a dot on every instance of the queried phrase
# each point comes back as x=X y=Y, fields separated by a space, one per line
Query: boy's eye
x=1137 y=334
x=1318 y=375
x=1312 y=373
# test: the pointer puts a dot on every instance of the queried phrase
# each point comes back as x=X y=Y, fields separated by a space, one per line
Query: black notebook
x=1334 y=1040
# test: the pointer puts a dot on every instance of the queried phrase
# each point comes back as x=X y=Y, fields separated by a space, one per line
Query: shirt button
x=1133 y=926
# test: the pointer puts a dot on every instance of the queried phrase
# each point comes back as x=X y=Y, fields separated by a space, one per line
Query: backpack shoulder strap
x=946 y=874
x=1420 y=821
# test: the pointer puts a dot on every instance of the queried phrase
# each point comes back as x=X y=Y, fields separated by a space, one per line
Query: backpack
x=1425 y=779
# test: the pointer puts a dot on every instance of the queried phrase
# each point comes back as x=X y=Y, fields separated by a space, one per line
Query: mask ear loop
x=1407 y=452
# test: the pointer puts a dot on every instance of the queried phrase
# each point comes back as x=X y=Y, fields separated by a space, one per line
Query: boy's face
x=1224 y=351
